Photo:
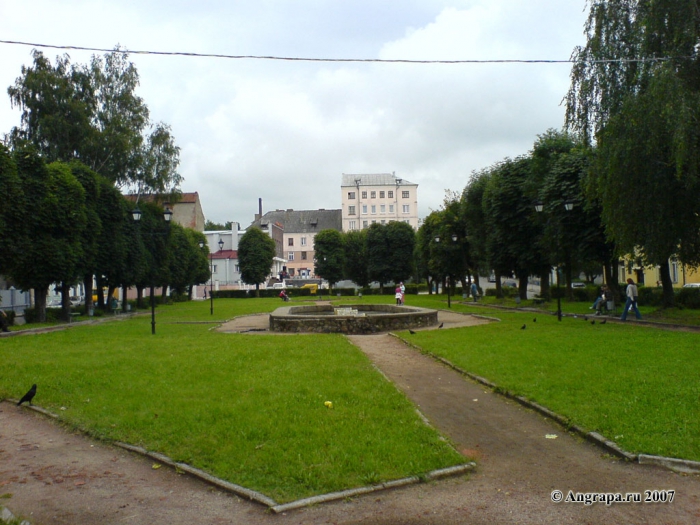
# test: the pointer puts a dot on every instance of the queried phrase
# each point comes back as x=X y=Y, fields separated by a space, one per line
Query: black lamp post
x=211 y=274
x=449 y=278
x=167 y=215
x=568 y=206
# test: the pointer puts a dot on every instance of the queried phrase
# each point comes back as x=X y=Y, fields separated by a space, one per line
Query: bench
x=73 y=315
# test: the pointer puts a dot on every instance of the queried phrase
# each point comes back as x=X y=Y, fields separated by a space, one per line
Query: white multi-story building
x=377 y=198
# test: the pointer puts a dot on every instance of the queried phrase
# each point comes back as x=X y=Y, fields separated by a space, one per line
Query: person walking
x=475 y=291
x=631 y=304
x=403 y=292
x=398 y=295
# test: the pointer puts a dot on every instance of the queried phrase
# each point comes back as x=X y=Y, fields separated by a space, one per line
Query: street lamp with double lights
x=167 y=216
x=568 y=206
x=211 y=274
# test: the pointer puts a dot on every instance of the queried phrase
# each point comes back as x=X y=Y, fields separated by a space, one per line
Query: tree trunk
x=87 y=283
x=65 y=302
x=499 y=287
x=669 y=297
x=40 y=304
x=125 y=301
x=522 y=286
x=139 y=297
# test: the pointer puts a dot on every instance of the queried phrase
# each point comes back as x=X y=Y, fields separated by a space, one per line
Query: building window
x=303 y=256
x=374 y=222
x=391 y=208
x=373 y=195
x=382 y=208
x=290 y=256
x=303 y=241
x=351 y=225
x=390 y=194
x=374 y=209
x=406 y=208
x=381 y=194
x=238 y=269
x=351 y=195
x=364 y=224
x=364 y=194
x=383 y=221
x=405 y=194
x=364 y=209
x=290 y=241
x=351 y=210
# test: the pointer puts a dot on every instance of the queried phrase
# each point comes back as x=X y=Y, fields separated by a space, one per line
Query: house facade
x=377 y=198
x=299 y=228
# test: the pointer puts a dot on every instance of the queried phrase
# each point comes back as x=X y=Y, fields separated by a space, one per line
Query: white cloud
x=285 y=131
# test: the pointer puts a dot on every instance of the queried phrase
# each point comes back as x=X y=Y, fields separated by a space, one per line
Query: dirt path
x=57 y=477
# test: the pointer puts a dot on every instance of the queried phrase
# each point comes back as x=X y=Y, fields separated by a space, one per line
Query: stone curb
x=685 y=466
x=261 y=498
x=324 y=498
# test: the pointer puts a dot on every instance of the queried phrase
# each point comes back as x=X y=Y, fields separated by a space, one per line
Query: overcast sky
x=285 y=131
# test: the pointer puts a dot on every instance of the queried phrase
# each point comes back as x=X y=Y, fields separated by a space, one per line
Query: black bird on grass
x=411 y=332
x=523 y=327
x=534 y=320
x=593 y=322
x=28 y=396
x=441 y=325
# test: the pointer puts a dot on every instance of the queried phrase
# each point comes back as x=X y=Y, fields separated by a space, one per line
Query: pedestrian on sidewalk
x=632 y=297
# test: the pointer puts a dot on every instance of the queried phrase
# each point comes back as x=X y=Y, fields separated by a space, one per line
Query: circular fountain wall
x=350 y=319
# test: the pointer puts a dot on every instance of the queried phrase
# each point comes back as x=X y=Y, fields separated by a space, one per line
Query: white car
x=691 y=285
x=279 y=286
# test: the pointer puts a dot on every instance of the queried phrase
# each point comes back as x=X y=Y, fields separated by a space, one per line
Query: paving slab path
x=51 y=475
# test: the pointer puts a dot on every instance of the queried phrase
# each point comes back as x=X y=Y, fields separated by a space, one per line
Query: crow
x=585 y=318
x=441 y=325
x=28 y=396
x=411 y=332
x=523 y=327
x=534 y=320
x=593 y=322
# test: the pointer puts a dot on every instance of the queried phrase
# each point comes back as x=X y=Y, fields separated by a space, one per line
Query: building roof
x=224 y=254
x=303 y=221
x=374 y=179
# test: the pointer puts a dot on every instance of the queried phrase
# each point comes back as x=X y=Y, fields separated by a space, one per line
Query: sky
x=286 y=131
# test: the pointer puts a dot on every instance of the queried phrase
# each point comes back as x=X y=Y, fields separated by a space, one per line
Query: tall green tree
x=54 y=222
x=12 y=213
x=256 y=251
x=401 y=241
x=512 y=227
x=635 y=90
x=330 y=256
x=91 y=113
x=355 y=257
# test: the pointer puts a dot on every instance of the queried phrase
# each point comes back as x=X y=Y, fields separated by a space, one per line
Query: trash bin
x=610 y=305
x=91 y=311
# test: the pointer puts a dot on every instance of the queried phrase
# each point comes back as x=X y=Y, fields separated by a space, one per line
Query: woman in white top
x=632 y=295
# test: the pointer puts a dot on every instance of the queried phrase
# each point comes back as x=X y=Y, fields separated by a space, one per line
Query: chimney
x=258 y=215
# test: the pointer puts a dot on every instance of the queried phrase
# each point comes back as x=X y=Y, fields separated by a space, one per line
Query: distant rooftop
x=373 y=179
x=303 y=221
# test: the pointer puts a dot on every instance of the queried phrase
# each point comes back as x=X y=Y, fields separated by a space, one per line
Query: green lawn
x=636 y=385
x=247 y=408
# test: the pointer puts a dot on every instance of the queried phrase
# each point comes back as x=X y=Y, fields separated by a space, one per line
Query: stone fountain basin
x=372 y=318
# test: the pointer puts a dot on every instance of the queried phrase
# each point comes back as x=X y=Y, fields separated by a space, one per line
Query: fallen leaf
x=551 y=436
x=156 y=466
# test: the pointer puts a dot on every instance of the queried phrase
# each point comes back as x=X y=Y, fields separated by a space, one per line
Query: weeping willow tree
x=635 y=94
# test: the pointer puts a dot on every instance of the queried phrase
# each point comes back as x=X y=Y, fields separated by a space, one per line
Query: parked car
x=279 y=286
x=578 y=285
x=691 y=285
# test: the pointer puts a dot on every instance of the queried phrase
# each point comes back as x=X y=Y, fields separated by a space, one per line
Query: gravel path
x=53 y=476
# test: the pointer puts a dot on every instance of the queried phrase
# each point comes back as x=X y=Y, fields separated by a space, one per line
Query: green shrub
x=650 y=296
x=688 y=297
x=52 y=315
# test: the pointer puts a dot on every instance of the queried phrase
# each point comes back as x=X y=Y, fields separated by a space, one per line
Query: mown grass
x=247 y=408
x=636 y=385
